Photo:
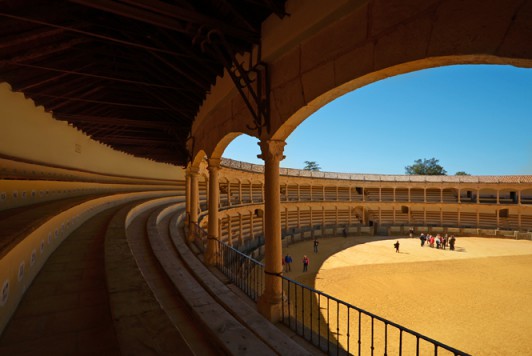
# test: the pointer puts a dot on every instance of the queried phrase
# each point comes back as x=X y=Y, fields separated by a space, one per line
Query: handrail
x=248 y=274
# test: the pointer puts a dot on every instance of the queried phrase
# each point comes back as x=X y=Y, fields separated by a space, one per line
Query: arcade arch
x=368 y=42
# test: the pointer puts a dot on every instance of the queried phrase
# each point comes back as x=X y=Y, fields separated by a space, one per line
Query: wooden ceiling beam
x=39 y=53
x=108 y=38
x=99 y=102
x=161 y=14
x=108 y=120
x=27 y=37
x=78 y=73
x=139 y=141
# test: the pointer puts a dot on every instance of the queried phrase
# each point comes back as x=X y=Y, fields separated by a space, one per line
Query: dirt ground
x=477 y=298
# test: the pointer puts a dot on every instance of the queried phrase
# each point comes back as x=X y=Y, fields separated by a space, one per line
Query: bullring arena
x=124 y=231
x=474 y=298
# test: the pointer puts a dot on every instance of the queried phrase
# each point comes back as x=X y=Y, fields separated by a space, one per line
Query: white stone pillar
x=214 y=201
x=194 y=200
x=270 y=302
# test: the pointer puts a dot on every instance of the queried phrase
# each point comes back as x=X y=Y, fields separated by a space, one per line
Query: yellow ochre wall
x=29 y=133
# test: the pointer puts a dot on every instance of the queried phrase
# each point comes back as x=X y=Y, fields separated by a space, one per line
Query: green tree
x=426 y=167
x=461 y=173
x=311 y=166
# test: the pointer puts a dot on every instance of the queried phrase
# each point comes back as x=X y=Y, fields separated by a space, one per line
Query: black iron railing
x=330 y=324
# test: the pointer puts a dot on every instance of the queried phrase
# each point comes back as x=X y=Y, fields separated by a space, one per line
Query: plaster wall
x=31 y=134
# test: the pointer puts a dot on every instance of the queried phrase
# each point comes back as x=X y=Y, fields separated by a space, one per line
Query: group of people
x=438 y=241
x=287 y=260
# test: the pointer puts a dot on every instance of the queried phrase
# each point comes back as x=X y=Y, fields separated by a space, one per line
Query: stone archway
x=361 y=44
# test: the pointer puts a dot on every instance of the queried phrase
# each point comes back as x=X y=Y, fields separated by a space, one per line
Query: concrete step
x=66 y=309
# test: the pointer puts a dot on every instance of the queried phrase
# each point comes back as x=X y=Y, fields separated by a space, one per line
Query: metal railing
x=332 y=325
x=339 y=328
x=200 y=237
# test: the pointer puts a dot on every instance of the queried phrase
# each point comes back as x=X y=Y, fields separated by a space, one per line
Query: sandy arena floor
x=477 y=299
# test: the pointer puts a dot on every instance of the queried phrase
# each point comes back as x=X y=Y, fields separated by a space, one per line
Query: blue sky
x=474 y=118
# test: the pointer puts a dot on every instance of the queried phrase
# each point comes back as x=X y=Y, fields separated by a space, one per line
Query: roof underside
x=131 y=74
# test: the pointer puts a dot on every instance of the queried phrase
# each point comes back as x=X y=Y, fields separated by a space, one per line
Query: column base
x=271 y=308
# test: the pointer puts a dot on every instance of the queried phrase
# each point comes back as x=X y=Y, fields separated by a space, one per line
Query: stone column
x=270 y=303
x=214 y=201
x=187 y=197
x=229 y=193
x=194 y=200
x=229 y=230
x=240 y=238
x=250 y=191
x=286 y=220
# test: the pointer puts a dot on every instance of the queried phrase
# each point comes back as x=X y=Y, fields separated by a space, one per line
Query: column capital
x=193 y=171
x=213 y=164
x=272 y=150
